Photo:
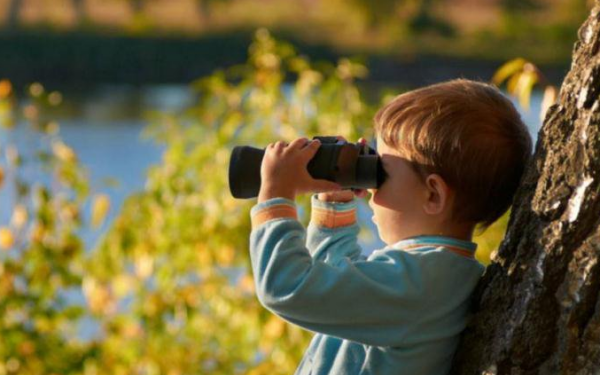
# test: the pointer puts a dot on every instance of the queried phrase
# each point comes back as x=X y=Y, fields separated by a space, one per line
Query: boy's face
x=398 y=203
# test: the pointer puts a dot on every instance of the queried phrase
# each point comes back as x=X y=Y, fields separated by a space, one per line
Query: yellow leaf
x=5 y=88
x=1 y=176
x=27 y=348
x=98 y=296
x=36 y=89
x=55 y=98
x=7 y=239
x=122 y=285
x=274 y=328
x=144 y=265
x=507 y=70
x=19 y=216
x=225 y=256
x=100 y=208
x=38 y=232
x=513 y=81
x=63 y=152
x=204 y=256
x=246 y=283
x=523 y=90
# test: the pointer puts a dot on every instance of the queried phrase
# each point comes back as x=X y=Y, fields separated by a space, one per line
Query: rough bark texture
x=537 y=308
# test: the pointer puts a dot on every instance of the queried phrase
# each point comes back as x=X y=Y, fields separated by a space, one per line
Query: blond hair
x=467 y=132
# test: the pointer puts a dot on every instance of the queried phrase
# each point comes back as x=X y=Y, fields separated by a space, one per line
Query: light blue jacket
x=398 y=311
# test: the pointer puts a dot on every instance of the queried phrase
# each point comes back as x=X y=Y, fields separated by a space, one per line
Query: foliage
x=42 y=258
x=168 y=287
x=173 y=271
x=521 y=76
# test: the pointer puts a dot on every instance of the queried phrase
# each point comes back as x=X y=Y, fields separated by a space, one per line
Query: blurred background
x=121 y=248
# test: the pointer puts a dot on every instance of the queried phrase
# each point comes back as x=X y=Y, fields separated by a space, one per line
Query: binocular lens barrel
x=350 y=165
x=244 y=171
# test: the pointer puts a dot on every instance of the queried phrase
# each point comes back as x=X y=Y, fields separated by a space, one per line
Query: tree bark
x=537 y=307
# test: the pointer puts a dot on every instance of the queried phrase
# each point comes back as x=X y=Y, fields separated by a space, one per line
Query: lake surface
x=105 y=128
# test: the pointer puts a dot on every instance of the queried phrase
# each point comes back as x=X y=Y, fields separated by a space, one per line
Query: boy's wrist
x=330 y=214
x=271 y=209
x=268 y=192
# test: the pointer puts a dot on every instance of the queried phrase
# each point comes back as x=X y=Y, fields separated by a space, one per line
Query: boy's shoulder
x=421 y=250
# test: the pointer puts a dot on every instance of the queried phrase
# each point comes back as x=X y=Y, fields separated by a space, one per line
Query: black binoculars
x=350 y=165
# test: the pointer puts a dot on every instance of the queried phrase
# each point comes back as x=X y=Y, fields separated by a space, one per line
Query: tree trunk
x=537 y=308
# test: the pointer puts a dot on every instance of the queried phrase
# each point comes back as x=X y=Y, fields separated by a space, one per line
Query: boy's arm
x=366 y=301
x=332 y=233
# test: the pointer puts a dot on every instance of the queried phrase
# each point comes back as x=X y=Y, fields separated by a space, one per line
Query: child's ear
x=437 y=194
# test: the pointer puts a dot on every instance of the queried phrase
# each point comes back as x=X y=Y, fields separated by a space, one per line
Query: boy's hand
x=343 y=195
x=283 y=170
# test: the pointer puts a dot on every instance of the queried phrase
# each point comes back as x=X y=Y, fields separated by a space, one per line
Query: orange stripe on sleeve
x=332 y=219
x=273 y=212
x=455 y=250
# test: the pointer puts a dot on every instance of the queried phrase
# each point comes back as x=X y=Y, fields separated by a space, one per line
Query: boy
x=454 y=154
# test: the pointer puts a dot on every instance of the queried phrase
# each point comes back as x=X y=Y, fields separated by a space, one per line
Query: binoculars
x=350 y=165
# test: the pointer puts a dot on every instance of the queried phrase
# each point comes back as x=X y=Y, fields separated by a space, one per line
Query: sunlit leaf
x=524 y=87
x=36 y=89
x=246 y=283
x=144 y=265
x=98 y=296
x=63 y=152
x=7 y=239
x=5 y=88
x=100 y=208
x=55 y=98
x=19 y=216
x=507 y=70
x=513 y=83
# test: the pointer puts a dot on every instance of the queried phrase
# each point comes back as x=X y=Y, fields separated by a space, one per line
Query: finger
x=280 y=144
x=298 y=143
x=311 y=148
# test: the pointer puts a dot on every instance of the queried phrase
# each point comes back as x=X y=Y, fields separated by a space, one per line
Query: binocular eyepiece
x=348 y=164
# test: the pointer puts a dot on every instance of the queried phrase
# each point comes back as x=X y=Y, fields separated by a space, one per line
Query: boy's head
x=469 y=135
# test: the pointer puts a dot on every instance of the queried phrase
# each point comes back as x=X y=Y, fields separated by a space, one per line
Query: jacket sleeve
x=371 y=301
x=332 y=233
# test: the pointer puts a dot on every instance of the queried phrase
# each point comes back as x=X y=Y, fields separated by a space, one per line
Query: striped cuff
x=271 y=209
x=332 y=214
